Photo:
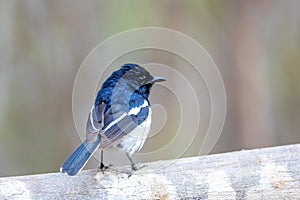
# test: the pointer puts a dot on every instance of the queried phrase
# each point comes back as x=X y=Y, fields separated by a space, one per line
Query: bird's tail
x=79 y=157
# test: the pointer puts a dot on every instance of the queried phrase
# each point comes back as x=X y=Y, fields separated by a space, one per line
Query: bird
x=120 y=116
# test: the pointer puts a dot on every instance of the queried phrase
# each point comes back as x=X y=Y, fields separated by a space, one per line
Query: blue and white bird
x=121 y=116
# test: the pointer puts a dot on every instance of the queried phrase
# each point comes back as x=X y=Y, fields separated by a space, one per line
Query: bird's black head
x=139 y=79
x=130 y=79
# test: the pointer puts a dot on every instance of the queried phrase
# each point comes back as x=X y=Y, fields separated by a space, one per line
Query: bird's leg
x=133 y=165
x=103 y=167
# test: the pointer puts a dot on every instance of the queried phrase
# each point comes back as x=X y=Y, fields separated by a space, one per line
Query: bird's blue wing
x=123 y=125
x=95 y=122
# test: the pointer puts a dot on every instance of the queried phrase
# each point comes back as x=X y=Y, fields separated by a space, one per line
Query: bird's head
x=139 y=78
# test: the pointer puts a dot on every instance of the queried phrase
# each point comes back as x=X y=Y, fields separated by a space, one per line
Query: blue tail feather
x=79 y=157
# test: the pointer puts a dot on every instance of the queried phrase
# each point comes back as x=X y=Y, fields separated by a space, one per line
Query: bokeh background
x=255 y=45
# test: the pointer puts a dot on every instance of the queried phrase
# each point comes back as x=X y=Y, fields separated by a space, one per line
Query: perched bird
x=121 y=116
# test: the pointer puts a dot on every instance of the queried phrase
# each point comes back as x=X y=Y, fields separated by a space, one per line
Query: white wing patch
x=136 y=110
x=114 y=122
x=133 y=111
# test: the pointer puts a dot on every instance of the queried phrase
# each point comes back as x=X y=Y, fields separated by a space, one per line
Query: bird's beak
x=157 y=79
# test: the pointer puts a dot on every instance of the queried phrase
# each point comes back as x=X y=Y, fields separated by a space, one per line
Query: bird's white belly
x=135 y=140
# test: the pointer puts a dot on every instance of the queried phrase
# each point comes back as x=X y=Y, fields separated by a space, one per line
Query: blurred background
x=255 y=45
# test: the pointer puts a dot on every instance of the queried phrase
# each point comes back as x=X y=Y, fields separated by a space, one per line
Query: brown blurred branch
x=270 y=173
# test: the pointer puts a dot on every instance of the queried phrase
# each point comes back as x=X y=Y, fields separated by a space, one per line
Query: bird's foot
x=136 y=167
x=103 y=167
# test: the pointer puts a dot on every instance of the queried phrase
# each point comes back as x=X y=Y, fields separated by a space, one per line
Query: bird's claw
x=136 y=167
x=103 y=167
